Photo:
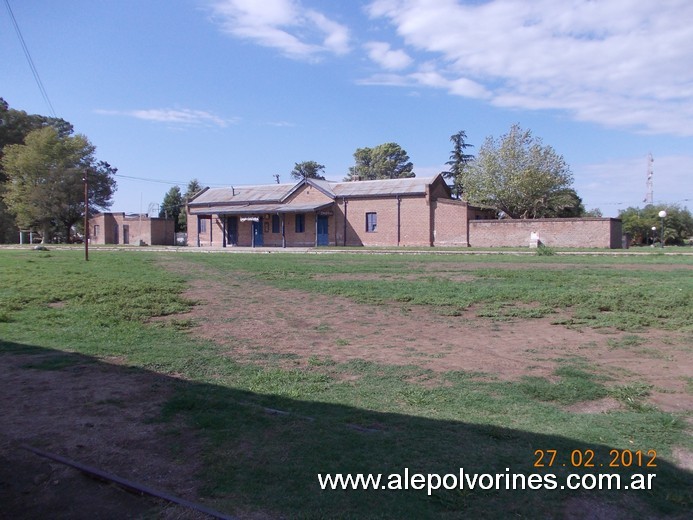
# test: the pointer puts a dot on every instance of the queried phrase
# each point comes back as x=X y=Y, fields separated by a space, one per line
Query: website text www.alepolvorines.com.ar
x=431 y=482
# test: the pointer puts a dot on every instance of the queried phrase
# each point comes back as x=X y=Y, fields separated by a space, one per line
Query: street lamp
x=654 y=230
x=662 y=215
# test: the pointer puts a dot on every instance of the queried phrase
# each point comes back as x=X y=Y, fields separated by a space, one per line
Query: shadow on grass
x=261 y=455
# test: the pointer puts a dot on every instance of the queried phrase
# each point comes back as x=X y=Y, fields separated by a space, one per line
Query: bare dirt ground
x=253 y=319
x=98 y=414
x=102 y=414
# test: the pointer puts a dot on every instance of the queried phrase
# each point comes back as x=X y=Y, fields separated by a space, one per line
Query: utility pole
x=276 y=177
x=86 y=215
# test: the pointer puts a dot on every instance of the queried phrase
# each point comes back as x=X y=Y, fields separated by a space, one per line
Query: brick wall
x=308 y=194
x=304 y=239
x=582 y=232
x=439 y=189
x=414 y=221
x=416 y=216
x=162 y=232
x=205 y=237
x=450 y=223
x=192 y=228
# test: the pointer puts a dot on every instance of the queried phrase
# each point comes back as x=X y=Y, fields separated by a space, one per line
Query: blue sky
x=232 y=92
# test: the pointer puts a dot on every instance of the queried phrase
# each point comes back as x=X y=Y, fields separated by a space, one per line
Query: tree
x=565 y=203
x=595 y=212
x=385 y=161
x=458 y=162
x=45 y=181
x=14 y=126
x=638 y=223
x=518 y=176
x=172 y=206
x=307 y=170
x=193 y=188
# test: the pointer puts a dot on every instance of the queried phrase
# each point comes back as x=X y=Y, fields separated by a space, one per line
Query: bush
x=543 y=250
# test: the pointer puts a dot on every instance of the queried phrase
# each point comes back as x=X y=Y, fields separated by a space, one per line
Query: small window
x=371 y=222
x=96 y=230
x=300 y=223
x=203 y=225
x=275 y=223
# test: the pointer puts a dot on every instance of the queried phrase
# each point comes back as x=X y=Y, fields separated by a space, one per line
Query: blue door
x=232 y=231
x=257 y=234
x=323 y=236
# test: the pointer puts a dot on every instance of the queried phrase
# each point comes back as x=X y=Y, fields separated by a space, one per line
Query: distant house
x=136 y=229
x=417 y=211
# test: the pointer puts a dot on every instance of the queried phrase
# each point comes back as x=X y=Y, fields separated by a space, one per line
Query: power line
x=159 y=181
x=172 y=183
x=656 y=202
x=27 y=54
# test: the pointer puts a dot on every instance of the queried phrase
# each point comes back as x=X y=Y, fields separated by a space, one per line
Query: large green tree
x=459 y=160
x=519 y=176
x=172 y=206
x=14 y=127
x=565 y=203
x=385 y=161
x=45 y=181
x=191 y=190
x=308 y=170
x=638 y=223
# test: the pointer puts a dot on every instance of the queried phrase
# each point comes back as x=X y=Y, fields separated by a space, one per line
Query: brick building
x=393 y=212
x=119 y=228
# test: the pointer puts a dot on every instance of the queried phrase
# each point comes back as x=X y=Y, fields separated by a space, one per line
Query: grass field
x=268 y=421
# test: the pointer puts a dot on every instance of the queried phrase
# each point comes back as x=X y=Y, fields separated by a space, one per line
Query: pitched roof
x=256 y=209
x=277 y=193
x=411 y=186
x=243 y=194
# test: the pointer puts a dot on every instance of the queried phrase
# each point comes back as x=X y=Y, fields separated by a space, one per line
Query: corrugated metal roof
x=269 y=193
x=325 y=186
x=258 y=209
x=261 y=193
x=410 y=186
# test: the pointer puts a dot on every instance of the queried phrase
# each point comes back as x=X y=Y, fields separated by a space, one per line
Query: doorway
x=232 y=231
x=258 y=240
x=323 y=231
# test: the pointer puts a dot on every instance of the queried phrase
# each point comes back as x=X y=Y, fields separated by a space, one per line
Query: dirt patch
x=607 y=404
x=360 y=277
x=101 y=416
x=469 y=266
x=256 y=322
x=103 y=413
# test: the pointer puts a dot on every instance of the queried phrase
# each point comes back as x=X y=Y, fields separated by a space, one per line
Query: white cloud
x=174 y=116
x=286 y=25
x=382 y=54
x=387 y=80
x=620 y=63
x=280 y=124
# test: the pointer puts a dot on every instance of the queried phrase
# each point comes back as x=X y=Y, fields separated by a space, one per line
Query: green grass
x=267 y=431
x=575 y=384
x=55 y=362
x=594 y=290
